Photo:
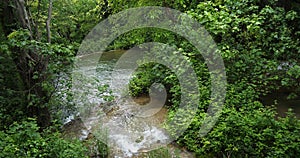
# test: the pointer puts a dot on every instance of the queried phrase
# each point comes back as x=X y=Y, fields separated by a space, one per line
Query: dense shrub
x=245 y=129
x=24 y=140
x=260 y=47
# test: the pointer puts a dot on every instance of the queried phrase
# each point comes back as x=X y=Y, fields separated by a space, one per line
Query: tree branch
x=23 y=15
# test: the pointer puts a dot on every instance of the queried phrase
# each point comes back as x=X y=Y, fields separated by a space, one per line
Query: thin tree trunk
x=48 y=22
x=38 y=36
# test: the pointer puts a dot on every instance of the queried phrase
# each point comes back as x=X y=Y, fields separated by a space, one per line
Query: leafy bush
x=24 y=140
x=151 y=73
x=260 y=47
x=17 y=85
x=10 y=90
x=245 y=129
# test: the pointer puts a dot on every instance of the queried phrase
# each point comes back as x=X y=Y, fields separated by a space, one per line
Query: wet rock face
x=106 y=107
x=142 y=100
x=74 y=129
x=109 y=107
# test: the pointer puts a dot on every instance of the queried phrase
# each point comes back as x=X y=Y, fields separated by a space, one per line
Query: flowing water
x=132 y=128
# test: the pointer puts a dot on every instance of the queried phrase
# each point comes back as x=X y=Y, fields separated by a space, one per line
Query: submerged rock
x=140 y=139
x=109 y=107
x=74 y=129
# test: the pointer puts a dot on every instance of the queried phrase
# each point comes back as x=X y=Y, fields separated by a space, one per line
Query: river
x=129 y=132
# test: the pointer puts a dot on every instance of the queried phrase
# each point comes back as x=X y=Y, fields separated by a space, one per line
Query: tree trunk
x=23 y=15
x=48 y=22
x=24 y=57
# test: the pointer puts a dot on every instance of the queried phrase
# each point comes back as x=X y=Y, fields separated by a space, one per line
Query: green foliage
x=143 y=35
x=71 y=19
x=159 y=153
x=292 y=81
x=252 y=38
x=181 y=5
x=260 y=47
x=147 y=75
x=10 y=90
x=17 y=91
x=24 y=140
x=258 y=40
x=245 y=128
x=97 y=147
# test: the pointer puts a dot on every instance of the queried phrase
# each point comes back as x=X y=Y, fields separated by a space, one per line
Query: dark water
x=282 y=103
